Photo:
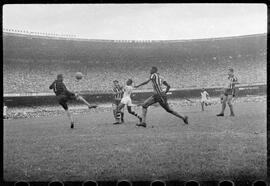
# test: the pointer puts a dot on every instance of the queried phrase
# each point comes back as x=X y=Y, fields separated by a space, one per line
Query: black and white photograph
x=137 y=92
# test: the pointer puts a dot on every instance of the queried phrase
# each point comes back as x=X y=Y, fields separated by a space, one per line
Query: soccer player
x=204 y=98
x=63 y=96
x=126 y=100
x=159 y=96
x=229 y=93
x=118 y=94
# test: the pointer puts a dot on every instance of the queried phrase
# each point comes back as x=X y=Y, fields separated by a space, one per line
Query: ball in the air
x=79 y=75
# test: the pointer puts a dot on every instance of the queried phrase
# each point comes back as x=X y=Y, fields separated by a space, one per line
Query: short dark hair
x=59 y=76
x=115 y=81
x=231 y=69
x=154 y=68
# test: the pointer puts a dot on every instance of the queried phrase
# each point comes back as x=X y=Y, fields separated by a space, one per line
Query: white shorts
x=126 y=101
x=204 y=100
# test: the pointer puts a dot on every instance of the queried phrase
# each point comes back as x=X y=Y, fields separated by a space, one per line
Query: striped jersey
x=118 y=92
x=157 y=82
x=231 y=80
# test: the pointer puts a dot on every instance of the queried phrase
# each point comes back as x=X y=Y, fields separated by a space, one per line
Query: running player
x=204 y=98
x=63 y=96
x=126 y=100
x=229 y=93
x=118 y=94
x=159 y=96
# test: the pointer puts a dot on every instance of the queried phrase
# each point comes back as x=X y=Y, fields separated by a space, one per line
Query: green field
x=45 y=148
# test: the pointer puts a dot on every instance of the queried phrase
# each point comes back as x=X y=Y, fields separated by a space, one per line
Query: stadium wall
x=47 y=99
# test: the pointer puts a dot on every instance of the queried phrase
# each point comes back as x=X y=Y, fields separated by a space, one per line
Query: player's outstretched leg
x=134 y=113
x=170 y=110
x=88 y=104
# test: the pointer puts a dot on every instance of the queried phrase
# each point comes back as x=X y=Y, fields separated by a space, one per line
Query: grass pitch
x=45 y=148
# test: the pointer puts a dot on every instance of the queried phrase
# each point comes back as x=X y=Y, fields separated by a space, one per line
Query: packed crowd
x=31 y=64
x=190 y=72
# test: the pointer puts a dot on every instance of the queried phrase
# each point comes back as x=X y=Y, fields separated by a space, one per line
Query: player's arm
x=167 y=86
x=144 y=83
x=52 y=85
x=235 y=82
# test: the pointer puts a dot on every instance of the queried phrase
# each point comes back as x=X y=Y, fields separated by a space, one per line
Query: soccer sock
x=69 y=116
x=122 y=116
x=118 y=116
x=176 y=114
x=114 y=113
x=144 y=112
x=82 y=99
x=135 y=114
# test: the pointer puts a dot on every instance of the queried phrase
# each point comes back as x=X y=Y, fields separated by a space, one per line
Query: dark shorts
x=156 y=98
x=116 y=102
x=229 y=92
x=63 y=99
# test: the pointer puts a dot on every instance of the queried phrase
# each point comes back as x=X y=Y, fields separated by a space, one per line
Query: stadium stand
x=31 y=62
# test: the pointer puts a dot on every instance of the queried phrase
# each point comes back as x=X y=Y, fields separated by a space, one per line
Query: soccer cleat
x=116 y=123
x=93 y=106
x=122 y=117
x=185 y=120
x=220 y=114
x=141 y=125
x=232 y=115
x=72 y=125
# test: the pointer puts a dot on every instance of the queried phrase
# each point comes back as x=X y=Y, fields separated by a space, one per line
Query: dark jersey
x=58 y=87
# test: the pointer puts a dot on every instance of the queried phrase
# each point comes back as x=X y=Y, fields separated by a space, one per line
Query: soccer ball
x=79 y=75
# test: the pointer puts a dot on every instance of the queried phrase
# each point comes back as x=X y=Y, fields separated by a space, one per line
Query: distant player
x=118 y=94
x=229 y=93
x=63 y=96
x=204 y=98
x=159 y=96
x=126 y=100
